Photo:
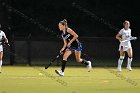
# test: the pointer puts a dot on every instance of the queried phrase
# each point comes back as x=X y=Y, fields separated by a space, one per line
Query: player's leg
x=130 y=57
x=83 y=61
x=1 y=55
x=64 y=61
x=120 y=60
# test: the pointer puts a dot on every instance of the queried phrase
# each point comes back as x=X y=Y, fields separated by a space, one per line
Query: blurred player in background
x=125 y=35
x=70 y=39
x=3 y=39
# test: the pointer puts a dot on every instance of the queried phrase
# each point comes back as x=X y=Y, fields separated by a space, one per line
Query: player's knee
x=130 y=57
x=121 y=57
x=64 y=58
x=79 y=60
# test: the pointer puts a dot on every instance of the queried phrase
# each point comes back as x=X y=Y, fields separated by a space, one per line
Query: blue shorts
x=79 y=48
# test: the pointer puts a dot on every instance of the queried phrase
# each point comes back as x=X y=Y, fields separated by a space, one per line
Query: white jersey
x=2 y=34
x=126 y=35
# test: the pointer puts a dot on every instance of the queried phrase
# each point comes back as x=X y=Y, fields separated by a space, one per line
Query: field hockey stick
x=132 y=38
x=7 y=44
x=46 y=67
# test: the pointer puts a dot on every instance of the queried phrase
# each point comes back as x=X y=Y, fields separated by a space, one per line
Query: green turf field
x=26 y=79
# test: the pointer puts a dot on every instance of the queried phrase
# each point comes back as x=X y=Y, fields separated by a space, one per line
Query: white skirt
x=125 y=46
x=1 y=48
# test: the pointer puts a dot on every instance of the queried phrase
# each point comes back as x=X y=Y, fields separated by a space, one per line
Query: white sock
x=0 y=63
x=129 y=61
x=120 y=61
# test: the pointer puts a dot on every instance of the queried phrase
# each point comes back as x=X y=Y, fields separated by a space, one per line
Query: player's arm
x=119 y=37
x=75 y=36
x=64 y=46
x=5 y=38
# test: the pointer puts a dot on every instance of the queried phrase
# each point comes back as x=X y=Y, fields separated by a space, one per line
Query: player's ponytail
x=65 y=21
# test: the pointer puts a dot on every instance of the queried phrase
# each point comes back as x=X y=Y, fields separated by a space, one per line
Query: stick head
x=46 y=67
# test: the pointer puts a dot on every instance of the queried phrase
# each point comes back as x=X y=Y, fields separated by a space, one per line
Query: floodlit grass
x=26 y=79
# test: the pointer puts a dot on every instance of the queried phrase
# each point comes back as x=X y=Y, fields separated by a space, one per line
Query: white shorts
x=1 y=48
x=125 y=46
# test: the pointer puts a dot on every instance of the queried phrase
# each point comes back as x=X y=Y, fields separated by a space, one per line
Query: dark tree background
x=50 y=12
x=25 y=23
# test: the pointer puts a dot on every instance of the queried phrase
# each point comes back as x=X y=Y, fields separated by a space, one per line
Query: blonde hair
x=64 y=22
x=126 y=21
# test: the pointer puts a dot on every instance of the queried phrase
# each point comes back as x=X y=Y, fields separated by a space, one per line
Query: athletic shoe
x=59 y=72
x=129 y=68
x=89 y=66
x=119 y=69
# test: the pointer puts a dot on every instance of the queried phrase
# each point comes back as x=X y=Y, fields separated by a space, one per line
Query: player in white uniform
x=2 y=39
x=125 y=34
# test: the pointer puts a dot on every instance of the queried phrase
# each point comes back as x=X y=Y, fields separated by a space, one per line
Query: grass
x=26 y=79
